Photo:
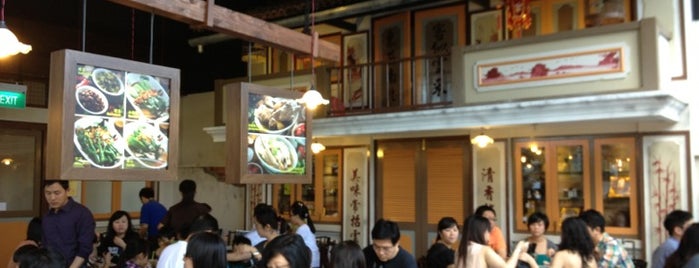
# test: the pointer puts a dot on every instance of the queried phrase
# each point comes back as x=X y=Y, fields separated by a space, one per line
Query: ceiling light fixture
x=7 y=161
x=9 y=45
x=317 y=147
x=482 y=140
x=312 y=98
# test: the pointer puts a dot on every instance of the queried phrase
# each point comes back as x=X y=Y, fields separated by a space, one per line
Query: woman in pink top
x=474 y=252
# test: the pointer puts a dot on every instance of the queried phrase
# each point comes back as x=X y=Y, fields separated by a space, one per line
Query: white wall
x=197 y=150
x=227 y=201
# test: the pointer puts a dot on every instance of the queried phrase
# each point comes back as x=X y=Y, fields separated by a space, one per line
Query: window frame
x=39 y=132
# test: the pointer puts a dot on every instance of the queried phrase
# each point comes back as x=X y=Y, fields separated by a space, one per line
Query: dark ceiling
x=115 y=30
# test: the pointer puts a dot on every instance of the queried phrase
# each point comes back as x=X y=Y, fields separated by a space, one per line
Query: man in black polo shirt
x=384 y=252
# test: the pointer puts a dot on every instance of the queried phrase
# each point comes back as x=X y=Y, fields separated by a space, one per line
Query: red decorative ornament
x=518 y=13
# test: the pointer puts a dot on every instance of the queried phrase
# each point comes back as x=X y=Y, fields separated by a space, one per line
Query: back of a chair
x=422 y=262
x=324 y=247
x=638 y=263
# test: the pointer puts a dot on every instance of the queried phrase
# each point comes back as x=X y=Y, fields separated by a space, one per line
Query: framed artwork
x=392 y=36
x=553 y=67
x=355 y=71
x=267 y=135
x=666 y=181
x=487 y=26
x=436 y=32
x=112 y=119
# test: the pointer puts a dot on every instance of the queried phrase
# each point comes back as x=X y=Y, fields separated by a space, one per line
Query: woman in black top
x=441 y=254
x=119 y=233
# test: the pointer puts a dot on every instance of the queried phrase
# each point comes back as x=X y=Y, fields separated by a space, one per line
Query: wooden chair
x=324 y=246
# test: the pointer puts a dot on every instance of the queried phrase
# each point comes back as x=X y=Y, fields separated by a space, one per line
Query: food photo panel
x=276 y=135
x=113 y=119
x=273 y=139
x=99 y=91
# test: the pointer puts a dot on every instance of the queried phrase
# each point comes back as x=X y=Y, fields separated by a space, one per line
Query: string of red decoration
x=518 y=14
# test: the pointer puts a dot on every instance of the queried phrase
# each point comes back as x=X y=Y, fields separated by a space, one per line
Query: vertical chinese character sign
x=356 y=198
x=490 y=186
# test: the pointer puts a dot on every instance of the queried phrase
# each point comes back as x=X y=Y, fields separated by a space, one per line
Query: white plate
x=112 y=137
x=132 y=94
x=100 y=71
x=98 y=93
x=147 y=159
x=264 y=143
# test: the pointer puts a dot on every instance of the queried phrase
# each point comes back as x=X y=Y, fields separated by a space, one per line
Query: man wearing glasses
x=384 y=252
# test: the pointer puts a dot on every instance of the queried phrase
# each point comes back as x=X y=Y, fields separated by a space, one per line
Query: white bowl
x=100 y=71
x=262 y=145
x=100 y=97
x=263 y=128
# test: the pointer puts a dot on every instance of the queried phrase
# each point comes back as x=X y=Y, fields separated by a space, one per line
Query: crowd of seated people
x=198 y=242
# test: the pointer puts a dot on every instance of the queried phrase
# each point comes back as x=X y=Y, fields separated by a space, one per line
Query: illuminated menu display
x=122 y=119
x=276 y=142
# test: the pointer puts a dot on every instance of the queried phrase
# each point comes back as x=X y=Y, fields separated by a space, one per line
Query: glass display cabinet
x=323 y=196
x=551 y=177
x=616 y=182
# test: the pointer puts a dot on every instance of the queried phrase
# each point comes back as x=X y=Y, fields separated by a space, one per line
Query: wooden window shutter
x=399 y=184
x=445 y=183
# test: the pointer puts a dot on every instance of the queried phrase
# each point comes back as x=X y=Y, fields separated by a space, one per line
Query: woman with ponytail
x=301 y=218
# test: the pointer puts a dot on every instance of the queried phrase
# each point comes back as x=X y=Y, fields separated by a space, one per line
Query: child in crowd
x=240 y=242
x=166 y=236
x=134 y=256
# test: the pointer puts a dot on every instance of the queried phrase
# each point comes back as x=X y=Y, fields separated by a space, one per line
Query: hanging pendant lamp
x=9 y=44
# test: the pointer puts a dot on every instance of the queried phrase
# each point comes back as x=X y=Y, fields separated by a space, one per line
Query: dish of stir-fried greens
x=150 y=99
x=143 y=144
x=96 y=143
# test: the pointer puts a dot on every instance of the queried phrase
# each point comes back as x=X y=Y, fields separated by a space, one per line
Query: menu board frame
x=61 y=149
x=237 y=130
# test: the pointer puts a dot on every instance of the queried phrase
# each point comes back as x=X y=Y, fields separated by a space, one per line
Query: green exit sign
x=13 y=96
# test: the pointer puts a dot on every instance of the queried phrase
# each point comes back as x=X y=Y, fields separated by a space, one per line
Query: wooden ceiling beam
x=194 y=12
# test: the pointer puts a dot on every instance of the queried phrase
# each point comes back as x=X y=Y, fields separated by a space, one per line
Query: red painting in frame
x=355 y=71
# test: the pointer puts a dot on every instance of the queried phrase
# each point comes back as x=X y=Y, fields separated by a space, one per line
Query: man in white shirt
x=173 y=255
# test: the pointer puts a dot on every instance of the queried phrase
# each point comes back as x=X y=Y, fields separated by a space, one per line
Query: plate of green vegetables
x=146 y=144
x=148 y=97
x=98 y=142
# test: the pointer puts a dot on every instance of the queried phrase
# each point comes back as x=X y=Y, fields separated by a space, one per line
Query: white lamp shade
x=482 y=140
x=9 y=45
x=317 y=147
x=312 y=99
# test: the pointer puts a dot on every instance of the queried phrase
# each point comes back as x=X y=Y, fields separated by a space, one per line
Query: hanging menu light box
x=267 y=135
x=111 y=118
